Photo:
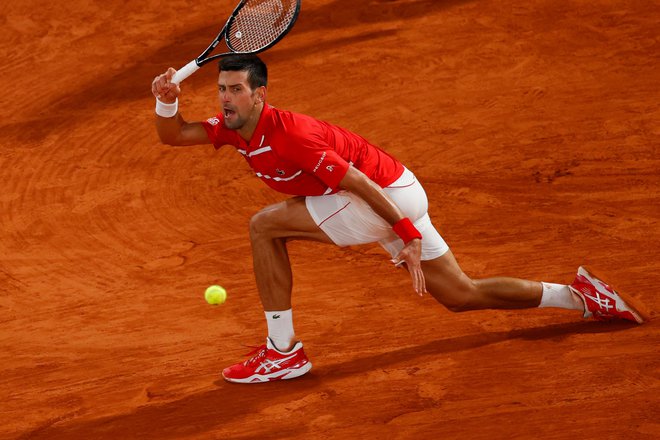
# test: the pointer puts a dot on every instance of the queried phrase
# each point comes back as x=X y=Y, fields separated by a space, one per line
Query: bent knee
x=459 y=307
x=262 y=223
x=456 y=298
x=457 y=303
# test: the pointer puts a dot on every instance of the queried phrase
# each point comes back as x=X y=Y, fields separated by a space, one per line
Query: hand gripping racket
x=254 y=26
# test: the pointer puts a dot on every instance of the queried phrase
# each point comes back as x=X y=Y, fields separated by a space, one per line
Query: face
x=239 y=103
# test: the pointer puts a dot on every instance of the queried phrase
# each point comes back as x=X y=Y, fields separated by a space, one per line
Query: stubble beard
x=235 y=125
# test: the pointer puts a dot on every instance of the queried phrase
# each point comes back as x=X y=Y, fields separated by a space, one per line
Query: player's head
x=257 y=72
x=242 y=90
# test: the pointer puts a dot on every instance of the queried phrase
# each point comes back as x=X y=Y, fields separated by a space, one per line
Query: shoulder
x=215 y=120
x=294 y=124
x=302 y=132
x=214 y=123
x=217 y=132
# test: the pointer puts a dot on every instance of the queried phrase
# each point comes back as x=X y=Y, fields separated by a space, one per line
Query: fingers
x=420 y=283
x=163 y=88
x=410 y=255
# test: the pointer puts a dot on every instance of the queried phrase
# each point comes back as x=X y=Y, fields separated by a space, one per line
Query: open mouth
x=228 y=112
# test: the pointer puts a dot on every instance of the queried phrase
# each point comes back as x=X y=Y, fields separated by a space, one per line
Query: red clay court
x=533 y=125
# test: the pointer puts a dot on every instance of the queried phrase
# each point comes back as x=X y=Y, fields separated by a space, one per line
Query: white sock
x=280 y=328
x=559 y=295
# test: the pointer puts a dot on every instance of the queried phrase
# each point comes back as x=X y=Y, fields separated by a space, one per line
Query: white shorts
x=348 y=220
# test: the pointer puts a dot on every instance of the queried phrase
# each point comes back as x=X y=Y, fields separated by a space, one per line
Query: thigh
x=347 y=219
x=433 y=245
x=411 y=198
x=288 y=219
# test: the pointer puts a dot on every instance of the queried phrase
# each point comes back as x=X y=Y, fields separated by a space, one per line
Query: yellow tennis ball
x=215 y=295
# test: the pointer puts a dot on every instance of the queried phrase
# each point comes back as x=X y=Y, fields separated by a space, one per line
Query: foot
x=267 y=363
x=601 y=301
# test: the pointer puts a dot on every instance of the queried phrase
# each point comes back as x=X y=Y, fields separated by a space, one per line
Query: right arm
x=175 y=130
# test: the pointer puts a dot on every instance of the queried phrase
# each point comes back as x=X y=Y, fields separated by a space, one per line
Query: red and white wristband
x=406 y=230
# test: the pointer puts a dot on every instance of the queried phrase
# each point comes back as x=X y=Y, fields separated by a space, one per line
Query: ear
x=261 y=94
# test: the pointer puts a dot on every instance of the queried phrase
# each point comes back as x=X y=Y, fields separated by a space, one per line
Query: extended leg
x=450 y=286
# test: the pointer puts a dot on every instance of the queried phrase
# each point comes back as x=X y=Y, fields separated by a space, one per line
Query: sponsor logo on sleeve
x=213 y=121
x=318 y=164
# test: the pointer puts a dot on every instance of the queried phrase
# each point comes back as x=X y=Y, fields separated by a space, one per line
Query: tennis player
x=347 y=192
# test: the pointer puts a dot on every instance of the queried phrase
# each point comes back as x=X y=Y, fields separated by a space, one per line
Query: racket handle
x=185 y=72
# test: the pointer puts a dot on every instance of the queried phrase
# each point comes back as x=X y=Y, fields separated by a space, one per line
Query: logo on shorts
x=276 y=316
x=330 y=168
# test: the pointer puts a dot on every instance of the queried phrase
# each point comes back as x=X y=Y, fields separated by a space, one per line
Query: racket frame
x=203 y=58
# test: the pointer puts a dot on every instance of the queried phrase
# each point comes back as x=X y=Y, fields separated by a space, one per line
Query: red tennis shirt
x=299 y=155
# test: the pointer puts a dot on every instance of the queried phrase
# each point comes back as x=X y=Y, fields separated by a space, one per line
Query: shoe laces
x=256 y=354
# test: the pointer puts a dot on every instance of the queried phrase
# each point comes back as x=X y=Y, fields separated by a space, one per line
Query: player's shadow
x=132 y=83
x=462 y=343
x=349 y=13
x=207 y=411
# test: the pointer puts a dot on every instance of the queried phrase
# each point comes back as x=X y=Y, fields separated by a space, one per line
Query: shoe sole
x=279 y=375
x=632 y=305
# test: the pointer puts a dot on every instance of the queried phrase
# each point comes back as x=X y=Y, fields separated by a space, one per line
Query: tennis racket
x=254 y=26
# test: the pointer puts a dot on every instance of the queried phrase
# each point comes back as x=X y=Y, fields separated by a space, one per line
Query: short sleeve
x=216 y=132
x=317 y=158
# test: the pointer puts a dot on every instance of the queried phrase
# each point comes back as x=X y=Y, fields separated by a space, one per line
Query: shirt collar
x=262 y=127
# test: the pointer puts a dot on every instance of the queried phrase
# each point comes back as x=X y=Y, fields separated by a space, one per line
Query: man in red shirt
x=348 y=192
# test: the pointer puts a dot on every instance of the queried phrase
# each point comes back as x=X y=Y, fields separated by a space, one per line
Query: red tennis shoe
x=267 y=363
x=601 y=301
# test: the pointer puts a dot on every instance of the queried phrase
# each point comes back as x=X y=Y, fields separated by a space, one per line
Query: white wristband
x=167 y=110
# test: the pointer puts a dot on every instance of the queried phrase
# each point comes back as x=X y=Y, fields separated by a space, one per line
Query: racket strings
x=259 y=23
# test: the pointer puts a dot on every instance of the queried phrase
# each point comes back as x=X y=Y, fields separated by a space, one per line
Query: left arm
x=358 y=183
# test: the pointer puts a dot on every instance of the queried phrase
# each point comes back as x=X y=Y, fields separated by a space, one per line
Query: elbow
x=169 y=140
x=352 y=180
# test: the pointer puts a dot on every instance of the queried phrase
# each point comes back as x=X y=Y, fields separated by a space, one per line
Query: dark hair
x=252 y=64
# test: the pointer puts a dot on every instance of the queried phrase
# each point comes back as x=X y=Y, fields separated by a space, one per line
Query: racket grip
x=185 y=72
